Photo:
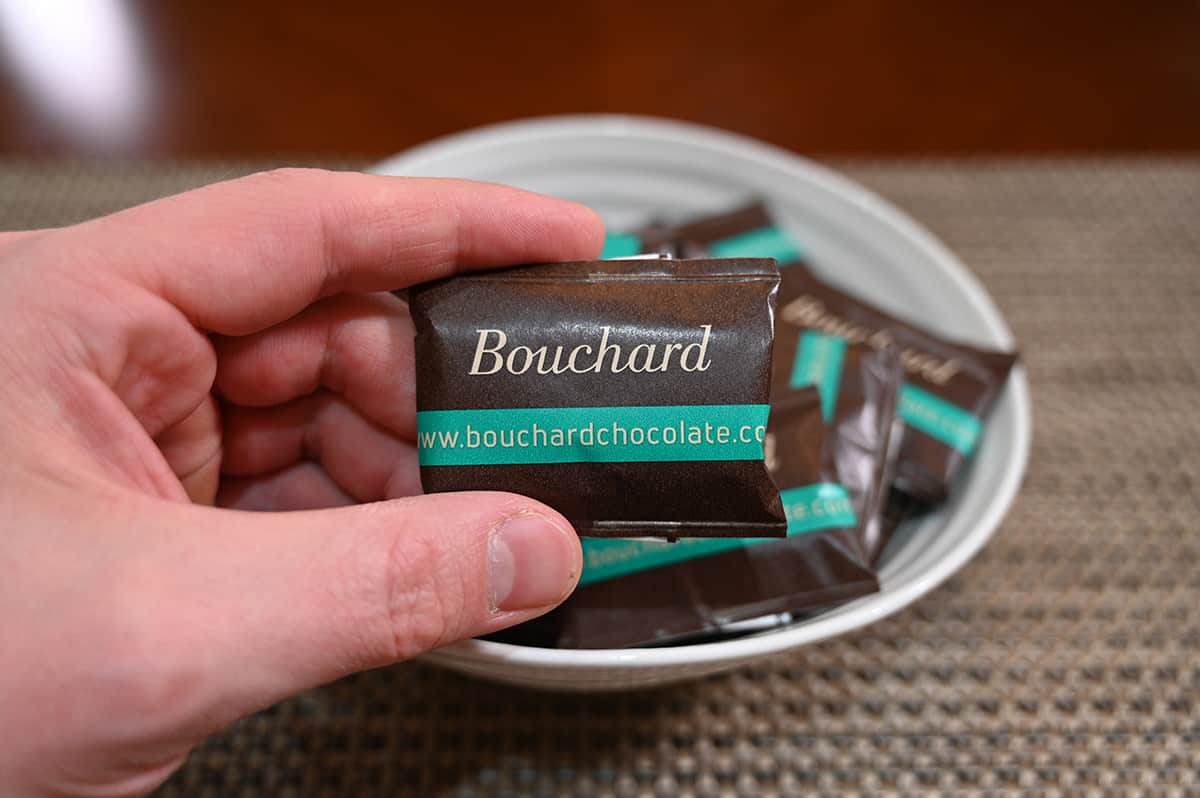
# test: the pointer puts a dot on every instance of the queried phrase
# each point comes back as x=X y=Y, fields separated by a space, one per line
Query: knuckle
x=423 y=601
x=412 y=598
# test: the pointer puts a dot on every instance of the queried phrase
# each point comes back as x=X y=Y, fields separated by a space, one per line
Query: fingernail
x=533 y=562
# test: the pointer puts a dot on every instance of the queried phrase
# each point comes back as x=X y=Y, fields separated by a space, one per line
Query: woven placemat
x=1064 y=660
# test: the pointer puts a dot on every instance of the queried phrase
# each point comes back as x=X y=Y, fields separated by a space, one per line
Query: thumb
x=279 y=602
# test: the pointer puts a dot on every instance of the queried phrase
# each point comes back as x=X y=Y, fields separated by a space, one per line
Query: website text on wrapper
x=589 y=436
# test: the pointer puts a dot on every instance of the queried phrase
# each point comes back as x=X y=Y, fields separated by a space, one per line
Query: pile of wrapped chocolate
x=870 y=421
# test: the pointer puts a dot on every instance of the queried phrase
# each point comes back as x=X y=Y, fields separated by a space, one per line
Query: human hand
x=221 y=346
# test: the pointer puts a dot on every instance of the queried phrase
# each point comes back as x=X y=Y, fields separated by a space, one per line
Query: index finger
x=240 y=256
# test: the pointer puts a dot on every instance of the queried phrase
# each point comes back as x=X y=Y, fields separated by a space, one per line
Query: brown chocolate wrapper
x=866 y=448
x=633 y=303
x=702 y=597
x=899 y=508
x=969 y=377
x=745 y=231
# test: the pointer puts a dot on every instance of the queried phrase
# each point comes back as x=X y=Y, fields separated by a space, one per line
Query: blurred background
x=365 y=78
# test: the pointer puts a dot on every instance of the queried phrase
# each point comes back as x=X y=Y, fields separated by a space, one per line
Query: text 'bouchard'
x=492 y=355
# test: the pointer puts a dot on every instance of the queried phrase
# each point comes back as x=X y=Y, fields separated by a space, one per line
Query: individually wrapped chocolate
x=747 y=231
x=637 y=592
x=859 y=388
x=655 y=237
x=949 y=387
x=631 y=396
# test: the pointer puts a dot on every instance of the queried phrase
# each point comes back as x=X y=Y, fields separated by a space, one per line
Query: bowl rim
x=852 y=615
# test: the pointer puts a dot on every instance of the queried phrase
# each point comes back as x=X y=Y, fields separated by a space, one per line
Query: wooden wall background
x=224 y=78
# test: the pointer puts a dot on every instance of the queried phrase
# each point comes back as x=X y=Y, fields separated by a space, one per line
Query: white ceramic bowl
x=629 y=168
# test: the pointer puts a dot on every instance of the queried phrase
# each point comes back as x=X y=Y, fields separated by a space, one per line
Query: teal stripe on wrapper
x=764 y=242
x=620 y=245
x=637 y=434
x=812 y=508
x=818 y=362
x=933 y=415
